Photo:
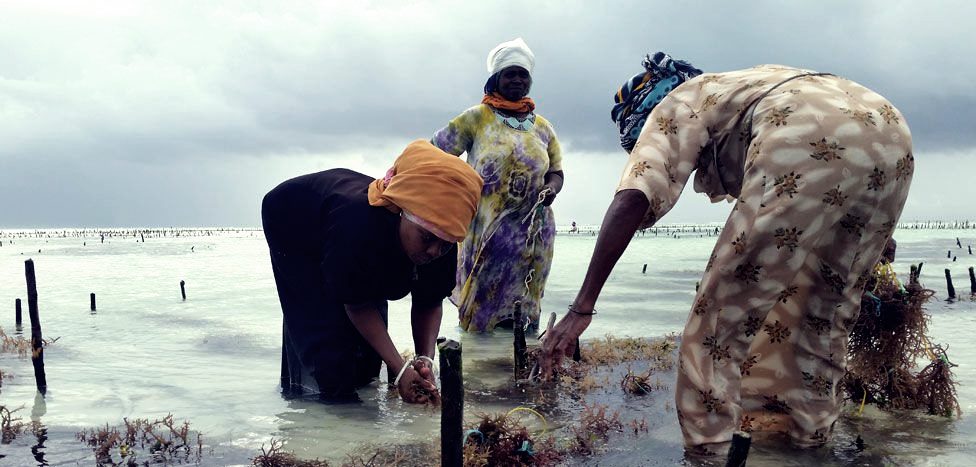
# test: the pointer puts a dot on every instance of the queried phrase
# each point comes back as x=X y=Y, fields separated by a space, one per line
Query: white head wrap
x=512 y=53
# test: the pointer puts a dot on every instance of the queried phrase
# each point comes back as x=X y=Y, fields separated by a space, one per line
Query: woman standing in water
x=506 y=255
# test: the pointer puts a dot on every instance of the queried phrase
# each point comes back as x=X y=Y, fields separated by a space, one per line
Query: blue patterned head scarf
x=638 y=96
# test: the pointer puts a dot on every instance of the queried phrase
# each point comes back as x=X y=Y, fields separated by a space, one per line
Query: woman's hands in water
x=560 y=341
x=425 y=366
x=416 y=384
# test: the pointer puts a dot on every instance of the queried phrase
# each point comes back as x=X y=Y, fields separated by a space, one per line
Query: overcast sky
x=185 y=113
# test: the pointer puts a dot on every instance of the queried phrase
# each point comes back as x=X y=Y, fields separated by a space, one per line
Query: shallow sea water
x=214 y=358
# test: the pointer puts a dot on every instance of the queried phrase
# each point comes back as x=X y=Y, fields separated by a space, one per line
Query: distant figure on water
x=342 y=244
x=507 y=253
x=819 y=168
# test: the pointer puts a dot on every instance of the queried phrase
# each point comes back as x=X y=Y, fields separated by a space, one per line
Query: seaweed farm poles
x=92 y=296
x=739 y=450
x=452 y=402
x=951 y=289
x=286 y=374
x=183 y=289
x=519 y=337
x=972 y=281
x=17 y=313
x=37 y=342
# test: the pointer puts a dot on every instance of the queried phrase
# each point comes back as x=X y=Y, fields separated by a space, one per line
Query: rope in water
x=531 y=235
x=545 y=424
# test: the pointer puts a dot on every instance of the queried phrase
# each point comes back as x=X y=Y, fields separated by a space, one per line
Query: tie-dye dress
x=506 y=255
x=819 y=176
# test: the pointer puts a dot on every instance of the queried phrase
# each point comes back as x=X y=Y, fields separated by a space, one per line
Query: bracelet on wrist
x=426 y=359
x=574 y=310
x=403 y=369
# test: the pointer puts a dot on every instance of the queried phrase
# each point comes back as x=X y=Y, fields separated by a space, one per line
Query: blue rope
x=526 y=448
x=875 y=302
x=473 y=431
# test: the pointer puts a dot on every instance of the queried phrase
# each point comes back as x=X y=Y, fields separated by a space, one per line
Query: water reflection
x=39 y=409
x=38 y=449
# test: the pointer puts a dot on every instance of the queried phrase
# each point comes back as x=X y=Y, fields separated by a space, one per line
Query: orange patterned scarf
x=438 y=188
x=523 y=105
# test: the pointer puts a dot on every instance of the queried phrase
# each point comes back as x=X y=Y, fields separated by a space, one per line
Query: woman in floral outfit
x=506 y=255
x=818 y=168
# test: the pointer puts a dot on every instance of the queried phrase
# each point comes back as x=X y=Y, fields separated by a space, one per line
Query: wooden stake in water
x=285 y=373
x=37 y=341
x=92 y=301
x=452 y=403
x=952 y=290
x=644 y=271
x=972 y=281
x=739 y=450
x=913 y=275
x=183 y=289
x=17 y=314
x=519 y=342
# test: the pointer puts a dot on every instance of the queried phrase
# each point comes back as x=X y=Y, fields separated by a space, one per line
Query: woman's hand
x=416 y=389
x=561 y=340
x=554 y=184
x=619 y=224
x=425 y=368
x=549 y=194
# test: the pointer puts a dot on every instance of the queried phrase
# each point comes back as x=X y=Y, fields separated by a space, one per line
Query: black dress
x=329 y=248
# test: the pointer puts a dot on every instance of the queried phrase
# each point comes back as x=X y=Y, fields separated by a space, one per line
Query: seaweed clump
x=274 y=456
x=503 y=440
x=887 y=339
x=164 y=439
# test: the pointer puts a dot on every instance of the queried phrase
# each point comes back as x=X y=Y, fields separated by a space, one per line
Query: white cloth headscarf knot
x=512 y=53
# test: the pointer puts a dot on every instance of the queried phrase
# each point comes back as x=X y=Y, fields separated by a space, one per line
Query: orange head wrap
x=439 y=189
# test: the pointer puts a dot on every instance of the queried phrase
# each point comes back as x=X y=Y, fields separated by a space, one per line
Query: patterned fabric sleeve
x=665 y=155
x=457 y=136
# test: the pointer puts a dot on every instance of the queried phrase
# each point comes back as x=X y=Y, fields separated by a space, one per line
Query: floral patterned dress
x=819 y=174
x=506 y=255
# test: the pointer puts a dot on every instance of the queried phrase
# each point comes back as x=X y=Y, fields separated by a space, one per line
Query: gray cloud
x=136 y=92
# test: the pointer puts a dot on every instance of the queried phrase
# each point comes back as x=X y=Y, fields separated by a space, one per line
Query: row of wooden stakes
x=37 y=339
